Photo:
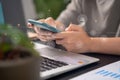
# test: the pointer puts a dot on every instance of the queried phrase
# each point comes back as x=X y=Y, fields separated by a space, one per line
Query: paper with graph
x=108 y=72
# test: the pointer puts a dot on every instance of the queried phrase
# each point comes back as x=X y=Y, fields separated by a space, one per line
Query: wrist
x=95 y=45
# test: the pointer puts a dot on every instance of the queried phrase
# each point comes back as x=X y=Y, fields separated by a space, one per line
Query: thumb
x=73 y=27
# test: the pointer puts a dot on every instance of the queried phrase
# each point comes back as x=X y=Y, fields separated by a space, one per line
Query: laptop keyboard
x=48 y=64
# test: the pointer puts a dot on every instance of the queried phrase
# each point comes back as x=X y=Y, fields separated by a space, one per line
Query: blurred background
x=16 y=12
x=46 y=8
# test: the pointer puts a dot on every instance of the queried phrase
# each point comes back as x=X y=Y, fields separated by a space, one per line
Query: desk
x=104 y=60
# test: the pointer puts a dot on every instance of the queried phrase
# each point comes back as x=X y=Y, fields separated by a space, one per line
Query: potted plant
x=18 y=58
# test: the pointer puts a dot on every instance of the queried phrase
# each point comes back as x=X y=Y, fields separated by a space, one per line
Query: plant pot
x=22 y=69
x=18 y=58
x=19 y=64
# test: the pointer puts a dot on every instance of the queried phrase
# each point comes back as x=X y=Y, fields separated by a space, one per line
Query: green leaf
x=11 y=37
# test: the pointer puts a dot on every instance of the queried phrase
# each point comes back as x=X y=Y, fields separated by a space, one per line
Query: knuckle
x=41 y=20
x=49 y=18
x=71 y=25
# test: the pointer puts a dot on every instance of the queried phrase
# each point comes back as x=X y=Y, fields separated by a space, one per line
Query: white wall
x=29 y=9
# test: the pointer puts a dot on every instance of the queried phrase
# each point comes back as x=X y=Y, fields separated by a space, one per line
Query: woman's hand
x=74 y=39
x=45 y=35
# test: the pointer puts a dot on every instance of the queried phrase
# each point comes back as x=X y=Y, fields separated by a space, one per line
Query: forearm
x=106 y=45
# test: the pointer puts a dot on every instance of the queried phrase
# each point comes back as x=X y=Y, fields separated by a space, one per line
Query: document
x=108 y=72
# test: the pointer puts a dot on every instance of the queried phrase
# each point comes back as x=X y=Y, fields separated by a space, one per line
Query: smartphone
x=44 y=26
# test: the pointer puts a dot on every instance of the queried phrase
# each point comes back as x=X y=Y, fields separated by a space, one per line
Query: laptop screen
x=11 y=12
x=1 y=15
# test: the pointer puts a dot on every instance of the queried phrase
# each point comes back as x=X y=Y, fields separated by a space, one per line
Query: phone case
x=43 y=25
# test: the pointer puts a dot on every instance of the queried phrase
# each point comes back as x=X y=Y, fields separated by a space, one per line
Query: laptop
x=56 y=61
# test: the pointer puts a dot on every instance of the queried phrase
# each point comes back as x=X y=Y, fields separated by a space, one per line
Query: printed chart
x=108 y=72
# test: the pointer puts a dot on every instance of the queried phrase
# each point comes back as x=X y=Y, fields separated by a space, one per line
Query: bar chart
x=108 y=72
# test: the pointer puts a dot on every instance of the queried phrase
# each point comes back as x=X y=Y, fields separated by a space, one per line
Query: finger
x=61 y=42
x=37 y=30
x=45 y=37
x=29 y=25
x=41 y=31
x=64 y=43
x=59 y=35
x=50 y=21
x=49 y=38
x=73 y=27
x=60 y=26
x=44 y=32
x=42 y=20
x=42 y=38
